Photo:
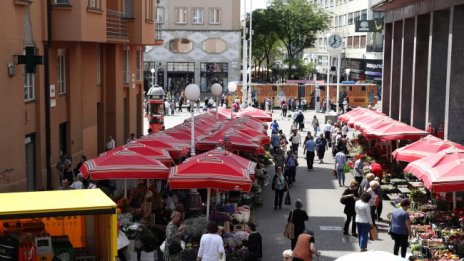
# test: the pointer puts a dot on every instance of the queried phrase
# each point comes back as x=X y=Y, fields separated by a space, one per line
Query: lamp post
x=192 y=92
x=347 y=73
x=216 y=90
x=152 y=70
x=231 y=88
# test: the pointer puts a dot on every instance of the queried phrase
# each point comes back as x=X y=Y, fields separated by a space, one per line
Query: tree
x=296 y=24
x=265 y=40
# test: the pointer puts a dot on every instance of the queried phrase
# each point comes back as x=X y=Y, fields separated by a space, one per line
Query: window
x=98 y=65
x=197 y=16
x=181 y=15
x=344 y=20
x=128 y=8
x=61 y=72
x=364 y=14
x=62 y=2
x=180 y=67
x=356 y=42
x=363 y=41
x=357 y=15
x=376 y=15
x=214 y=16
x=160 y=15
x=149 y=10
x=126 y=65
x=350 y=42
x=336 y=21
x=29 y=88
x=350 y=18
x=139 y=69
x=94 y=4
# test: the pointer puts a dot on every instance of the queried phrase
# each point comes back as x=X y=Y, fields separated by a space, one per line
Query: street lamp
x=192 y=92
x=152 y=70
x=347 y=73
x=231 y=88
x=216 y=90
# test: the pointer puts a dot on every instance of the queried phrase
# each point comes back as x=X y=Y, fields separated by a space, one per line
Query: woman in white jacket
x=363 y=219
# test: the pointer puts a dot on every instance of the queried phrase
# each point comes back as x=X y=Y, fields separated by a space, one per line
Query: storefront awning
x=55 y=203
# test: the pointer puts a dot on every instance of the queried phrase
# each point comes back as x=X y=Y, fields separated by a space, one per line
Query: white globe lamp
x=192 y=92
x=216 y=90
x=232 y=87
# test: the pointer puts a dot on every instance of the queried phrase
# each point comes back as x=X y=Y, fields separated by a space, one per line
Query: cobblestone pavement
x=320 y=194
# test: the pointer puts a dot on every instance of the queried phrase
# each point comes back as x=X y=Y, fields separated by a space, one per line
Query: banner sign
x=368 y=26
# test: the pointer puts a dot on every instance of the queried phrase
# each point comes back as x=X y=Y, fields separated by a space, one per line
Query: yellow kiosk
x=76 y=224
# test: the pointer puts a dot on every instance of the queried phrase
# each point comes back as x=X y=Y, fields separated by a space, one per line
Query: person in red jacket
x=376 y=169
x=305 y=248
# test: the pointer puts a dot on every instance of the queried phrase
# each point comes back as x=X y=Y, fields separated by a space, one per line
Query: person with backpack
x=278 y=185
x=275 y=141
x=321 y=144
x=291 y=162
x=284 y=109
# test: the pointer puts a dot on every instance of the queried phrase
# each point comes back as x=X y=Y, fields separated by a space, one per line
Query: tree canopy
x=294 y=23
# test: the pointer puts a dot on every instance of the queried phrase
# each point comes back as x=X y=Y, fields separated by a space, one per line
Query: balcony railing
x=374 y=48
x=116 y=25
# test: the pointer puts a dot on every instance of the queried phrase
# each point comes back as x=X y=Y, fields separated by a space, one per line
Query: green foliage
x=296 y=24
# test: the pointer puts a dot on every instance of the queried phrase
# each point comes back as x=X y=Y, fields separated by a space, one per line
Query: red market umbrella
x=226 y=113
x=176 y=150
x=441 y=171
x=148 y=151
x=216 y=169
x=255 y=113
x=346 y=116
x=424 y=147
x=362 y=115
x=369 y=122
x=238 y=141
x=124 y=164
x=396 y=131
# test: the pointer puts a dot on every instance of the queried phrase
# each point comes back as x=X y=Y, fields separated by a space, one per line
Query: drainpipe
x=47 y=46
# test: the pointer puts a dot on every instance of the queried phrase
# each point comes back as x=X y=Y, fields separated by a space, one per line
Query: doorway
x=63 y=138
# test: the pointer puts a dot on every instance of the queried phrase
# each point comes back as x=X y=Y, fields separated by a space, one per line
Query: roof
x=55 y=203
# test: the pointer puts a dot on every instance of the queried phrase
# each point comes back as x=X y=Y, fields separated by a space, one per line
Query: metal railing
x=116 y=25
x=374 y=48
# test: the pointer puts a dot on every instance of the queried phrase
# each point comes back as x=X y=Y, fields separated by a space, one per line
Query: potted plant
x=195 y=228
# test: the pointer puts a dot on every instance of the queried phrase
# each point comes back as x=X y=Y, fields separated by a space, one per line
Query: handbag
x=289 y=231
x=288 y=200
x=373 y=233
x=334 y=173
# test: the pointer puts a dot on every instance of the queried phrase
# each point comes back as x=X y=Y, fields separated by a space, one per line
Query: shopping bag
x=289 y=230
x=288 y=200
x=373 y=233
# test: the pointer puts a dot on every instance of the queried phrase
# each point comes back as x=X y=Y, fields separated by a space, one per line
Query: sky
x=256 y=4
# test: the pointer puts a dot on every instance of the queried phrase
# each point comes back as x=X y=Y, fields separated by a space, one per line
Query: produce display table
x=404 y=190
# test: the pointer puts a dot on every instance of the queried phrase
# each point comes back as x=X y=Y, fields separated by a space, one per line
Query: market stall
x=67 y=224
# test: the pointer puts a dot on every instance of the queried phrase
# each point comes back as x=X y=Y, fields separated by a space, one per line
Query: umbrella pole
x=454 y=200
x=208 y=199
x=125 y=188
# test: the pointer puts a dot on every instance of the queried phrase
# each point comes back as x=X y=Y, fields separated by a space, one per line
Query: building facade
x=75 y=77
x=362 y=55
x=201 y=44
x=423 y=64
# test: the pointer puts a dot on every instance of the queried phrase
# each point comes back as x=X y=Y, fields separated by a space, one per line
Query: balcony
x=116 y=26
x=374 y=48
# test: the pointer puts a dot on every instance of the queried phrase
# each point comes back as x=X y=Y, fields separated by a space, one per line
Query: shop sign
x=369 y=26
